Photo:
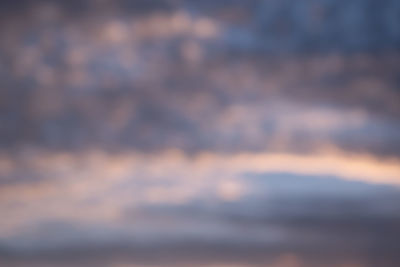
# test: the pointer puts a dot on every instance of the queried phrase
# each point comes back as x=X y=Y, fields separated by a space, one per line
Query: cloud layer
x=199 y=133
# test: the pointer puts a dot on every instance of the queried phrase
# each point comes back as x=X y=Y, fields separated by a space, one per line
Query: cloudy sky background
x=200 y=133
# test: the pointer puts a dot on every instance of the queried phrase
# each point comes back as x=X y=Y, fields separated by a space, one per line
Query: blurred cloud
x=199 y=133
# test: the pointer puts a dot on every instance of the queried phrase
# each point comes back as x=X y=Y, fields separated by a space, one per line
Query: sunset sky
x=200 y=133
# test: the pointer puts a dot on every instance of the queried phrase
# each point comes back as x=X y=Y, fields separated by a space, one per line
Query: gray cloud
x=117 y=81
x=337 y=220
x=93 y=94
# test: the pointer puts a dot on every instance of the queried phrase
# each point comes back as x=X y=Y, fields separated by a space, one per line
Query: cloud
x=199 y=133
x=170 y=78
x=280 y=217
x=96 y=186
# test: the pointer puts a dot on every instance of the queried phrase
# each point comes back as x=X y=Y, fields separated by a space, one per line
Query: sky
x=200 y=133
